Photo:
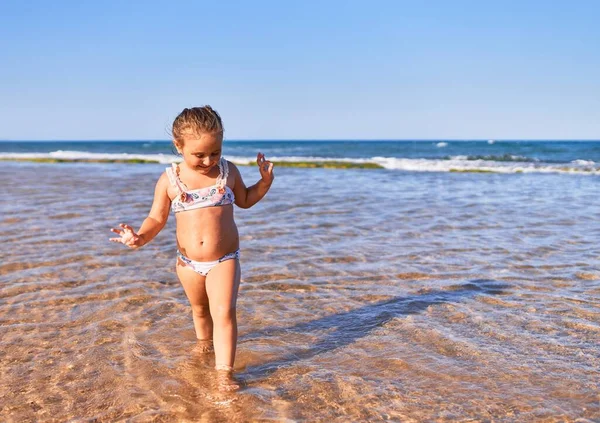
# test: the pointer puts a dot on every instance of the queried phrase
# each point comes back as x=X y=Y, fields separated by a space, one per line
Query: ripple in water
x=396 y=296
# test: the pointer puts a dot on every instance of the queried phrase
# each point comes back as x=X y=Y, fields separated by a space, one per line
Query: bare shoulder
x=163 y=180
x=163 y=186
x=234 y=172
x=235 y=177
x=232 y=167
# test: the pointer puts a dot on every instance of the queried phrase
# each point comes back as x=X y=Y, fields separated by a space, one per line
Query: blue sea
x=459 y=282
x=437 y=156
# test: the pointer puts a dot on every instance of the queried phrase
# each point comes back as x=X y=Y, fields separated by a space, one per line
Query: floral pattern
x=203 y=267
x=216 y=195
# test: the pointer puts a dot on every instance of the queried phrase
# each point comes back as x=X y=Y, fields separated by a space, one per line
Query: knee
x=201 y=311
x=223 y=313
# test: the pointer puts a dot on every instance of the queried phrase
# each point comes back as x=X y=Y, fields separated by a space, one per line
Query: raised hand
x=265 y=167
x=127 y=236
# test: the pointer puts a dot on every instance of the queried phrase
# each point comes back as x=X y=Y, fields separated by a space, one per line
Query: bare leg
x=195 y=290
x=222 y=284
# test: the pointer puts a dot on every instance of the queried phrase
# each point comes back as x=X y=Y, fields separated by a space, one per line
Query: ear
x=177 y=146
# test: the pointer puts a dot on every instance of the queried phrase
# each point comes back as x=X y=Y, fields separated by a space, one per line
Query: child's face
x=201 y=152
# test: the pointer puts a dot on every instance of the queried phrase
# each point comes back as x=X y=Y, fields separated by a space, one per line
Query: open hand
x=127 y=236
x=266 y=168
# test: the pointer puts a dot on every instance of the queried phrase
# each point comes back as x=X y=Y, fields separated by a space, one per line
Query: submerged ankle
x=225 y=380
x=224 y=368
x=204 y=345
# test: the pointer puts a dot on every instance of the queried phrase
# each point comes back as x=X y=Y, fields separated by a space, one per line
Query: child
x=201 y=191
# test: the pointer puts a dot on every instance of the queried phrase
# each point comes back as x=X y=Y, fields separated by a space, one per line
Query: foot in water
x=203 y=346
x=225 y=379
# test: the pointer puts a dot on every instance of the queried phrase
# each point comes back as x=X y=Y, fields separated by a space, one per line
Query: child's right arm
x=153 y=224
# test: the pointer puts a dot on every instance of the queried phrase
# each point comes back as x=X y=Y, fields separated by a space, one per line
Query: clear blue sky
x=302 y=70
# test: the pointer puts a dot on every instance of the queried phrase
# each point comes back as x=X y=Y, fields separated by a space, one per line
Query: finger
x=117 y=231
x=115 y=239
x=270 y=167
x=266 y=165
x=126 y=227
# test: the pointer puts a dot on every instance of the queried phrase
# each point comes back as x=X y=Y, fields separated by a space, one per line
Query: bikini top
x=218 y=194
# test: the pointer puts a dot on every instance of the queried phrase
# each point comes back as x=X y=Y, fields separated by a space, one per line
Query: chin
x=204 y=169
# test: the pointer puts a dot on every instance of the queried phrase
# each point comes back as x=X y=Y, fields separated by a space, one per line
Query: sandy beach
x=367 y=295
x=428 y=252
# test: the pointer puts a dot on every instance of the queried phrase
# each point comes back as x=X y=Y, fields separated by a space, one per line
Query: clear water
x=367 y=295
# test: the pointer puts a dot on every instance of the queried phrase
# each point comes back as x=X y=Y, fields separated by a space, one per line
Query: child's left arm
x=247 y=197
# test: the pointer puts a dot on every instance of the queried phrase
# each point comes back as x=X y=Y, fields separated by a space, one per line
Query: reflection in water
x=387 y=296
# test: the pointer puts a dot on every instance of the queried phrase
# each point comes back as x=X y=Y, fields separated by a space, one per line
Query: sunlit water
x=366 y=295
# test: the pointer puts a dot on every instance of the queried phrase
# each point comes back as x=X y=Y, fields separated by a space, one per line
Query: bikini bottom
x=203 y=267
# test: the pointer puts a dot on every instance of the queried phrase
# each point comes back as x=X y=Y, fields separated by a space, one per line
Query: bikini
x=218 y=194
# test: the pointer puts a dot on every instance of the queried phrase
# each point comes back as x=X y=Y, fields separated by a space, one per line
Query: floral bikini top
x=218 y=194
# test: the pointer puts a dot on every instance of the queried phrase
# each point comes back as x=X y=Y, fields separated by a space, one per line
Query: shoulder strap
x=223 y=172
x=225 y=168
x=173 y=178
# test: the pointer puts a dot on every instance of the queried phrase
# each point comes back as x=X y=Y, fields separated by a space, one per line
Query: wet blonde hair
x=195 y=121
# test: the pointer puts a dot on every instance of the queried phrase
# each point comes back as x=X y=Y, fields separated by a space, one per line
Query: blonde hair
x=196 y=120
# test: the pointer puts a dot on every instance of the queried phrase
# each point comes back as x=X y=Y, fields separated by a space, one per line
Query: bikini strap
x=223 y=173
x=174 y=179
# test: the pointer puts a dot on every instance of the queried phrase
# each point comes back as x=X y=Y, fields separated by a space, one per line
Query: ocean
x=454 y=281
x=434 y=156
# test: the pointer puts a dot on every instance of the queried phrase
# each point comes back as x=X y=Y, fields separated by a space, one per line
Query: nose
x=205 y=161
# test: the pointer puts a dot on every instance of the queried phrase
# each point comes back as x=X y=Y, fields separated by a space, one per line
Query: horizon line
x=309 y=140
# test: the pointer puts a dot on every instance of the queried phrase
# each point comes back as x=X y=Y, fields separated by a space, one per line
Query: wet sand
x=367 y=295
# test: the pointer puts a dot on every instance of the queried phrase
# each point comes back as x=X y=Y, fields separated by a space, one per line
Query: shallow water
x=366 y=295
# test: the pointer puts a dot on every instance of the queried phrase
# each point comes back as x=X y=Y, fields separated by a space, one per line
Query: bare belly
x=207 y=234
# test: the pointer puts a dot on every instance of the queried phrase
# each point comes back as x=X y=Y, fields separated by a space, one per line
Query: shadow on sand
x=342 y=329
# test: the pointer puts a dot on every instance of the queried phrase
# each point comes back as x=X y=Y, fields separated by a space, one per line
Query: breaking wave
x=479 y=164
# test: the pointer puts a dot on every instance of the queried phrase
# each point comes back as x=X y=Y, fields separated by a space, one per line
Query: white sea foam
x=504 y=158
x=452 y=164
x=441 y=144
x=84 y=155
x=583 y=162
x=462 y=164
